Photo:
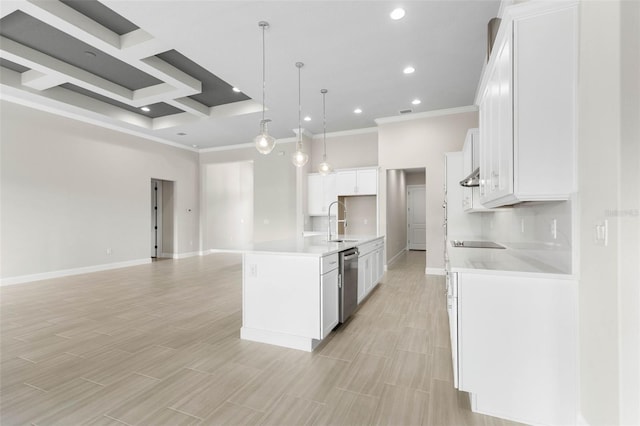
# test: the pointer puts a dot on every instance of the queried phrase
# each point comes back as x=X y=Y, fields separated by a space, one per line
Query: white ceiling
x=351 y=48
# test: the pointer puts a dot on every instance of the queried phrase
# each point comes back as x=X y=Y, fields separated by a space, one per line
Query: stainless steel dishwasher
x=348 y=283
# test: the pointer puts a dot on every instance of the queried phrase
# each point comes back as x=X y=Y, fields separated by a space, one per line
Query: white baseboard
x=188 y=254
x=434 y=271
x=279 y=339
x=75 y=271
x=581 y=421
x=396 y=257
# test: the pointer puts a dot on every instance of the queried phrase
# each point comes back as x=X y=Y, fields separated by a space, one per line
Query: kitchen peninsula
x=290 y=288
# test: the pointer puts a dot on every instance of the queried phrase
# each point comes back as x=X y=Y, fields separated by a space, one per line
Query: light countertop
x=511 y=261
x=316 y=245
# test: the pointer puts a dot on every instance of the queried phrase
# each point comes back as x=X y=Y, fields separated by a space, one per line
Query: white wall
x=629 y=214
x=227 y=204
x=527 y=226
x=278 y=209
x=608 y=186
x=346 y=149
x=71 y=190
x=422 y=142
x=361 y=215
x=396 y=207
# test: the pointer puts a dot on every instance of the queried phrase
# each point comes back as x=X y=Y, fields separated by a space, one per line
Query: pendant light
x=264 y=142
x=299 y=158
x=324 y=168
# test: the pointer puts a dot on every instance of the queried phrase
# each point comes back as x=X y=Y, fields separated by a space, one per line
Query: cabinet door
x=368 y=272
x=361 y=278
x=329 y=283
x=367 y=182
x=315 y=195
x=467 y=168
x=330 y=192
x=346 y=182
x=380 y=262
x=504 y=106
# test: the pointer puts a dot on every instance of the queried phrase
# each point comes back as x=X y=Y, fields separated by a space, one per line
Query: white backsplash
x=528 y=226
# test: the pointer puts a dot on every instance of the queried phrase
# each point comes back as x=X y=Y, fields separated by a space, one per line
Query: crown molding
x=244 y=145
x=426 y=114
x=352 y=132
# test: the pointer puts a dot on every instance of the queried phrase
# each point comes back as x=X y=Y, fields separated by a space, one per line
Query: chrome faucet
x=329 y=218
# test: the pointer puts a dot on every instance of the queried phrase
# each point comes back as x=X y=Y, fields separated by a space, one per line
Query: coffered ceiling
x=103 y=61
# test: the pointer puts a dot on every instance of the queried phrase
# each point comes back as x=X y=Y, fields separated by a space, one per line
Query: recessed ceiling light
x=194 y=145
x=357 y=111
x=307 y=118
x=145 y=109
x=416 y=102
x=235 y=89
x=397 y=13
x=409 y=70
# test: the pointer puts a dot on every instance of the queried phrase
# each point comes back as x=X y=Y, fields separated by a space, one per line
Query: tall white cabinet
x=321 y=191
x=527 y=106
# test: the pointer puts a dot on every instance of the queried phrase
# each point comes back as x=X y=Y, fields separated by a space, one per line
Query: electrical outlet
x=554 y=229
x=266 y=221
x=109 y=252
x=253 y=270
x=522 y=225
x=366 y=221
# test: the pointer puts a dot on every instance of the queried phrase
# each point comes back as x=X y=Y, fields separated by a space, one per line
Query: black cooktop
x=476 y=244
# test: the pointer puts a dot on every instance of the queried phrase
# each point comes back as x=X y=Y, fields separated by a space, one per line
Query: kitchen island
x=290 y=294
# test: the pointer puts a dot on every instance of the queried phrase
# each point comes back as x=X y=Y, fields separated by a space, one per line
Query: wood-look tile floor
x=159 y=344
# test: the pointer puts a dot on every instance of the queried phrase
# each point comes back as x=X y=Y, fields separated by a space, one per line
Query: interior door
x=156 y=218
x=416 y=217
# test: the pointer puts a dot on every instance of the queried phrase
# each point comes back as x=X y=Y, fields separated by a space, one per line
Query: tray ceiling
x=104 y=60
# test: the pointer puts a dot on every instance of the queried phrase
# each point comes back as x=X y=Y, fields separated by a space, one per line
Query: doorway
x=400 y=215
x=416 y=217
x=162 y=200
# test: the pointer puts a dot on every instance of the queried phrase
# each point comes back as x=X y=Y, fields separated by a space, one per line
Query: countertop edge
x=282 y=252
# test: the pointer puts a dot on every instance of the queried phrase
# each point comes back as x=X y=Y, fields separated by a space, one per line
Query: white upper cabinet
x=321 y=191
x=527 y=106
x=357 y=182
x=471 y=161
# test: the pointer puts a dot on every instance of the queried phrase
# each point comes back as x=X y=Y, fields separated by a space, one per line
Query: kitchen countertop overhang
x=316 y=245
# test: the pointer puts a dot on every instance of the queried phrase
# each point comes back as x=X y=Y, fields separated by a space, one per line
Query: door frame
x=409 y=188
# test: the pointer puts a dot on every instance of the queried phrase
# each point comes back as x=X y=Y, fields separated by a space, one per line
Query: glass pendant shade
x=299 y=158
x=325 y=168
x=264 y=142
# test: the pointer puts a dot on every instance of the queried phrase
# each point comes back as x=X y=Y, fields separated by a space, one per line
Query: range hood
x=472 y=180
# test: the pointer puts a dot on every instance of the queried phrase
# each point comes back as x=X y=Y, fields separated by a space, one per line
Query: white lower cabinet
x=517 y=346
x=370 y=267
x=329 y=299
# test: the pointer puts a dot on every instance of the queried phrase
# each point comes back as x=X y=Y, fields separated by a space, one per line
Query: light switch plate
x=601 y=233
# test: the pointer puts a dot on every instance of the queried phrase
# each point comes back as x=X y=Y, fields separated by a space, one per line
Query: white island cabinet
x=290 y=293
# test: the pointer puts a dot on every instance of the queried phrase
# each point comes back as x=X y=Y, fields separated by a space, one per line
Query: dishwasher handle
x=351 y=256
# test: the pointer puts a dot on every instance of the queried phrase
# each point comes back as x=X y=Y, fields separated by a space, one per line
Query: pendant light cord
x=299 y=65
x=263 y=72
x=324 y=124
